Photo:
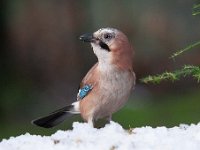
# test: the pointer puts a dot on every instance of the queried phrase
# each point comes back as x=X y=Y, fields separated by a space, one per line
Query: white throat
x=104 y=58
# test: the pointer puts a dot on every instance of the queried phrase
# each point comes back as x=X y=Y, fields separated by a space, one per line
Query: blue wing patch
x=84 y=91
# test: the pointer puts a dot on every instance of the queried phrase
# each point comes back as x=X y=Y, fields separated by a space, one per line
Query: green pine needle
x=196 y=10
x=187 y=70
x=185 y=49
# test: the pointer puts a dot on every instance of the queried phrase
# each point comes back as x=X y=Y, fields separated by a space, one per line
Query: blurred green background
x=42 y=61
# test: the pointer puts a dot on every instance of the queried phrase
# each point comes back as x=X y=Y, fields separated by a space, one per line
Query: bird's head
x=111 y=47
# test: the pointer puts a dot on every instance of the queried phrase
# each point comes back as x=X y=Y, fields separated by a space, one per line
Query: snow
x=111 y=137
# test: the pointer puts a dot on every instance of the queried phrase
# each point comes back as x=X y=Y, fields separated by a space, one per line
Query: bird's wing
x=88 y=83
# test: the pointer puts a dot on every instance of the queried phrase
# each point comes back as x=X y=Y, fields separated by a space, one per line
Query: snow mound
x=111 y=137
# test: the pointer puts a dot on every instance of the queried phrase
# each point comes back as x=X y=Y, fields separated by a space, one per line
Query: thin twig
x=184 y=50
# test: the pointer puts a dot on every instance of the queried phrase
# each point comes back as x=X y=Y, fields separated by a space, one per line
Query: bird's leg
x=90 y=121
x=109 y=118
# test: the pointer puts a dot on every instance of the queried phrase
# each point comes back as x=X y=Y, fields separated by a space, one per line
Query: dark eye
x=107 y=36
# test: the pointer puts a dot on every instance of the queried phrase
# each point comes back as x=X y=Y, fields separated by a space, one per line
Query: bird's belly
x=114 y=93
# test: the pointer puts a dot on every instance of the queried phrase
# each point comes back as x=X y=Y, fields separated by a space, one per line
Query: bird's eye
x=107 y=36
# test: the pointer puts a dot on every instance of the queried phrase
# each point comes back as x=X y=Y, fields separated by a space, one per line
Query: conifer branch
x=184 y=49
x=187 y=70
x=196 y=10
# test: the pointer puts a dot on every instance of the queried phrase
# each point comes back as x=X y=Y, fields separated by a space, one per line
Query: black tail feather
x=54 y=118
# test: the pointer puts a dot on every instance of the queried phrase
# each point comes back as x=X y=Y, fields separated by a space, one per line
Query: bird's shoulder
x=89 y=82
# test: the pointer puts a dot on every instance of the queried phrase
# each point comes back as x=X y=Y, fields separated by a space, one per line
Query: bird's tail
x=57 y=116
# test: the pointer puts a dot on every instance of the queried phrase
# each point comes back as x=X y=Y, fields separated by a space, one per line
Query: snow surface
x=111 y=137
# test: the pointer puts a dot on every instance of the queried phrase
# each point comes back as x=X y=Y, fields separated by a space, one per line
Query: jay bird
x=107 y=85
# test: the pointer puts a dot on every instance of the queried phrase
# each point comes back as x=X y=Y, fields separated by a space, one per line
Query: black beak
x=88 y=37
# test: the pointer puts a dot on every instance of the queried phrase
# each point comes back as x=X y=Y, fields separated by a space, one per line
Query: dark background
x=42 y=61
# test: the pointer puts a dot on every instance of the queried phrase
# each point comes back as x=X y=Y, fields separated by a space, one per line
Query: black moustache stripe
x=104 y=46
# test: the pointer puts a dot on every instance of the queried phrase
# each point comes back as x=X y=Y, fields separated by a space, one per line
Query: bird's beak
x=88 y=37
